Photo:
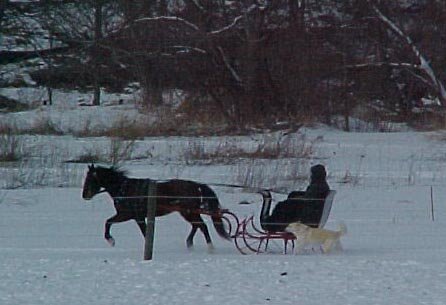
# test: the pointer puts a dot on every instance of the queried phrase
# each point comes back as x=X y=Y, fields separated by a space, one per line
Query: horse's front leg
x=141 y=221
x=115 y=219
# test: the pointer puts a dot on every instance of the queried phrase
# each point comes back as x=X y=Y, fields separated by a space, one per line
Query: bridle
x=95 y=176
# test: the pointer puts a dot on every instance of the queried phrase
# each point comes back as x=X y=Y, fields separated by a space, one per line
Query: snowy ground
x=53 y=251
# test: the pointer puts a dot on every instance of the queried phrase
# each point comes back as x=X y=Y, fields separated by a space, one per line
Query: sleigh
x=249 y=236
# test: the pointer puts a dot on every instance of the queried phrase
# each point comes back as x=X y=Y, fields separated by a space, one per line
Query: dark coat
x=305 y=207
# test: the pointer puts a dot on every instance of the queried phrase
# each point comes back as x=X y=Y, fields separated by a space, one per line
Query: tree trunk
x=98 y=20
x=49 y=91
x=155 y=93
x=3 y=4
x=49 y=61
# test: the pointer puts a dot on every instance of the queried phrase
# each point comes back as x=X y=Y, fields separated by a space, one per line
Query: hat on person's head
x=318 y=172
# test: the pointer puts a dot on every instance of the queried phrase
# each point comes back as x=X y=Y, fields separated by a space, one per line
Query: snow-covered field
x=52 y=250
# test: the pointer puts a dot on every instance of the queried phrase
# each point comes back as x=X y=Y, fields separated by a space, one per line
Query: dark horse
x=129 y=195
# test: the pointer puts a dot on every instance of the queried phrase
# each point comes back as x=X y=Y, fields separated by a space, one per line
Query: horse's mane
x=113 y=170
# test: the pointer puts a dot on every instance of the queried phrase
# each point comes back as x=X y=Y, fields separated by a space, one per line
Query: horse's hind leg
x=205 y=231
x=197 y=223
x=190 y=237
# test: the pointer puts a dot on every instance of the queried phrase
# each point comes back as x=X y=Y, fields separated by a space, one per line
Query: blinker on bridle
x=97 y=180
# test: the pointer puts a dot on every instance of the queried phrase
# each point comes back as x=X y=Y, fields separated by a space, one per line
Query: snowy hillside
x=53 y=250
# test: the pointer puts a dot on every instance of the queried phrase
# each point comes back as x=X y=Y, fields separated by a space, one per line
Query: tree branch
x=228 y=65
x=424 y=64
x=169 y=18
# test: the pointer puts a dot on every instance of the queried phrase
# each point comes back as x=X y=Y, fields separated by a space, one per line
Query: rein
x=251 y=188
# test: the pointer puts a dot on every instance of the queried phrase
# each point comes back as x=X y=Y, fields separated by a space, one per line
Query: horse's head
x=92 y=186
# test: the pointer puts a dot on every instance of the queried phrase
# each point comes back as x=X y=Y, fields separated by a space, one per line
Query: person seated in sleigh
x=300 y=206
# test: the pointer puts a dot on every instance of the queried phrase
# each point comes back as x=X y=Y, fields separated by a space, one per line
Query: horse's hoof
x=111 y=241
x=211 y=248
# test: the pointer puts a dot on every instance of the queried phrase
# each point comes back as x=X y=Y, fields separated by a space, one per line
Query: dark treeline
x=250 y=61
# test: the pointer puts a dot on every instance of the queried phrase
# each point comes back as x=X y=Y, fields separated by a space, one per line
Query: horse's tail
x=214 y=208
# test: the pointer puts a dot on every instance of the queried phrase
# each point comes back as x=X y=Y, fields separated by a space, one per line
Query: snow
x=52 y=251
x=52 y=247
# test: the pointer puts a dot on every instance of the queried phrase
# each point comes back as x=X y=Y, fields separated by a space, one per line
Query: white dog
x=326 y=239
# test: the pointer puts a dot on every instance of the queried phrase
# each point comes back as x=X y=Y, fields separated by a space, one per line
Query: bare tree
x=98 y=24
x=423 y=64
x=254 y=62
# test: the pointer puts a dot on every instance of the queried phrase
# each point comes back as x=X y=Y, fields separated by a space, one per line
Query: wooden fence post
x=150 y=230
